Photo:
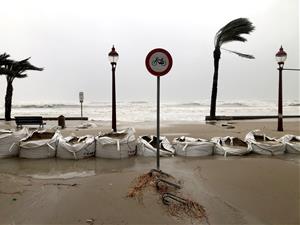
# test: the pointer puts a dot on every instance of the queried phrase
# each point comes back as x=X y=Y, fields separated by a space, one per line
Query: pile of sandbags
x=9 y=142
x=116 y=145
x=39 y=145
x=73 y=147
x=264 y=145
x=192 y=147
x=147 y=146
x=292 y=143
x=230 y=146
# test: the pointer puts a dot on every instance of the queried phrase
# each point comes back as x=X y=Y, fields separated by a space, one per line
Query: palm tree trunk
x=217 y=56
x=8 y=99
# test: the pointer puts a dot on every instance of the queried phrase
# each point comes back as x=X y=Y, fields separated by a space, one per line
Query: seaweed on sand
x=188 y=208
x=142 y=182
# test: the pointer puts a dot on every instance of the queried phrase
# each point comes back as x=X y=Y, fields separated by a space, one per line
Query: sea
x=145 y=111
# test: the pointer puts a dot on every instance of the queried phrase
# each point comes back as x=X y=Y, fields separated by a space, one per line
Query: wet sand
x=234 y=190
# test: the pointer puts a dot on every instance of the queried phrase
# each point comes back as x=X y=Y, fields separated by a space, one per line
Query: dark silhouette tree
x=230 y=32
x=17 y=70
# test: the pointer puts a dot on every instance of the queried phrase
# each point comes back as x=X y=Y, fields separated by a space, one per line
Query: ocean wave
x=294 y=104
x=138 y=102
x=26 y=106
x=191 y=104
x=234 y=104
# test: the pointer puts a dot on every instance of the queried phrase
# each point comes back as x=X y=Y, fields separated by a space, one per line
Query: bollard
x=61 y=121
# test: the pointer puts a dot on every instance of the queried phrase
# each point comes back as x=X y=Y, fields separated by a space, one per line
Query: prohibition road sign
x=159 y=62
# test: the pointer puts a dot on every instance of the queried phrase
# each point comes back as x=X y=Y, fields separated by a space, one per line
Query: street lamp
x=113 y=57
x=280 y=57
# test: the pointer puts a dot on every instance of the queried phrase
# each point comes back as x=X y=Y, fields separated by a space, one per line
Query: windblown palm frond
x=21 y=75
x=233 y=31
x=4 y=71
x=4 y=57
x=23 y=65
x=5 y=64
x=4 y=61
x=240 y=54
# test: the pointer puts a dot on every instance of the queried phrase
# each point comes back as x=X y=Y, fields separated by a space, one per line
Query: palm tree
x=230 y=32
x=17 y=69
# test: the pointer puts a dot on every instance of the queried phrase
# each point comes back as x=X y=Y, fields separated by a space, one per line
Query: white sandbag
x=191 y=147
x=116 y=145
x=39 y=145
x=146 y=146
x=292 y=143
x=9 y=142
x=264 y=145
x=230 y=146
x=76 y=147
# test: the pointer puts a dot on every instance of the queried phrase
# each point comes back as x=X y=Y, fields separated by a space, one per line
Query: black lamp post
x=113 y=57
x=280 y=57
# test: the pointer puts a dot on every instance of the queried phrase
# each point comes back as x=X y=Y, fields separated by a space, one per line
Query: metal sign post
x=81 y=97
x=158 y=62
x=157 y=123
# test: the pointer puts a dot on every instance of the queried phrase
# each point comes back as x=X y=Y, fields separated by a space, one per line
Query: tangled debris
x=169 y=193
x=191 y=208
x=142 y=182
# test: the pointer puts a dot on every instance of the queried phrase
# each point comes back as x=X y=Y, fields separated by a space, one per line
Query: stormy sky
x=71 y=40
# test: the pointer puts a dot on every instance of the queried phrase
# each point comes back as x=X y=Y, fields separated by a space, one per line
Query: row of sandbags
x=49 y=144
x=117 y=145
x=255 y=141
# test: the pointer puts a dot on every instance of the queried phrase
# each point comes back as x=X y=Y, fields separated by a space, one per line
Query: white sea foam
x=139 y=111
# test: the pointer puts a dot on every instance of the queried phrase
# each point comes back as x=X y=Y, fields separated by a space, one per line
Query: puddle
x=68 y=169
x=68 y=175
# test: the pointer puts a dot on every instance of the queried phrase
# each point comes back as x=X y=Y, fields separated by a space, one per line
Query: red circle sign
x=159 y=62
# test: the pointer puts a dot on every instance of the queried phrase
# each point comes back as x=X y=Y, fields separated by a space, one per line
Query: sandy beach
x=251 y=189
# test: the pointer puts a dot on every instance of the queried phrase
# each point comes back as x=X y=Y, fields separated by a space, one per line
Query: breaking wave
x=26 y=106
x=234 y=104
x=191 y=104
x=294 y=104
x=138 y=111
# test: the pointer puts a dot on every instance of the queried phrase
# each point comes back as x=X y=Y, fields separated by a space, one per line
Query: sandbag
x=192 y=147
x=264 y=145
x=39 y=145
x=76 y=147
x=230 y=146
x=292 y=143
x=9 y=142
x=146 y=146
x=116 y=145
